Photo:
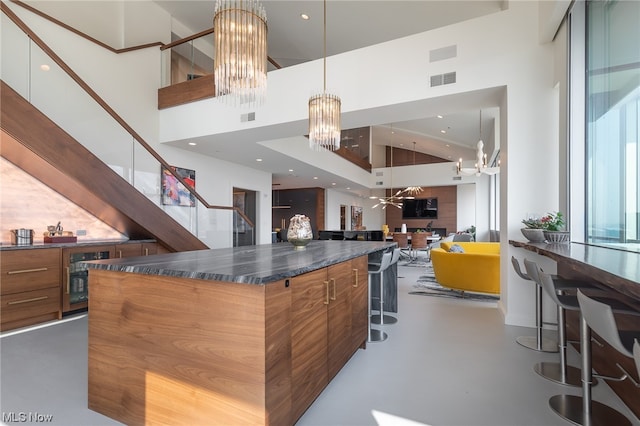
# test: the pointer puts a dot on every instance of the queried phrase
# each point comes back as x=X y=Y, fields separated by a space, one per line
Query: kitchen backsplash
x=25 y=202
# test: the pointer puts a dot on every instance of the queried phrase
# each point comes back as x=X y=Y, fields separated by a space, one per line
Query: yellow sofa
x=477 y=269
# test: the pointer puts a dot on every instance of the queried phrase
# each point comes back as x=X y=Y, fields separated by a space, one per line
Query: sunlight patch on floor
x=385 y=419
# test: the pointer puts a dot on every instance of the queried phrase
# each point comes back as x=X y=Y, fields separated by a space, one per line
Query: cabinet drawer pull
x=34 y=299
x=326 y=300
x=26 y=271
x=335 y=291
x=68 y=279
x=146 y=251
x=120 y=254
x=355 y=284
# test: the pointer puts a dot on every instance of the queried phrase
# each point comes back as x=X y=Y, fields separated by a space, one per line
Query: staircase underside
x=39 y=147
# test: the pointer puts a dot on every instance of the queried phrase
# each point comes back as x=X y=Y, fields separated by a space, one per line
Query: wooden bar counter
x=618 y=271
x=245 y=335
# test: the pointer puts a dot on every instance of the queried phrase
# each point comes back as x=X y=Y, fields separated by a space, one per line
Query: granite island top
x=259 y=264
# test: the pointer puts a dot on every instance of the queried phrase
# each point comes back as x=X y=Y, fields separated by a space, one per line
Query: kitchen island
x=245 y=335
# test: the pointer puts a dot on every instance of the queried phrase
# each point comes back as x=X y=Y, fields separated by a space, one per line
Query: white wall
x=466 y=204
x=372 y=218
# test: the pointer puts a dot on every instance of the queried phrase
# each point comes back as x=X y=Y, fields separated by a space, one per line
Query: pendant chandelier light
x=394 y=200
x=412 y=191
x=240 y=40
x=480 y=167
x=324 y=110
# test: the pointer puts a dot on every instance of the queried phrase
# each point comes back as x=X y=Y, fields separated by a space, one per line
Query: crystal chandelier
x=324 y=111
x=412 y=191
x=240 y=40
x=480 y=167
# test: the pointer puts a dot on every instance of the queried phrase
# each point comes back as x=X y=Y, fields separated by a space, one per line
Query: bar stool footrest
x=531 y=342
x=386 y=319
x=552 y=371
x=569 y=407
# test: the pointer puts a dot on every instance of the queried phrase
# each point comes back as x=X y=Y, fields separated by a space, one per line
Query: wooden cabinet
x=138 y=249
x=128 y=250
x=30 y=290
x=75 y=285
x=325 y=306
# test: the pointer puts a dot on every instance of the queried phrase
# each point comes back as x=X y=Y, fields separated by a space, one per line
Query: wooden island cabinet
x=245 y=335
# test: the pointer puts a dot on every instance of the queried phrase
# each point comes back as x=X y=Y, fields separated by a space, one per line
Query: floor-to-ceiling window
x=612 y=129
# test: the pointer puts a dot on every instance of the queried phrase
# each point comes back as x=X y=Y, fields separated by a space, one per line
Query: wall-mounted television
x=420 y=208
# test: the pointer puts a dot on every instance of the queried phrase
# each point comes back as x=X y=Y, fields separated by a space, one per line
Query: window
x=612 y=128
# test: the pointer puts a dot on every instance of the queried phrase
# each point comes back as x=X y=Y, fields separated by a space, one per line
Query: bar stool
x=537 y=342
x=377 y=335
x=381 y=318
x=581 y=410
x=554 y=371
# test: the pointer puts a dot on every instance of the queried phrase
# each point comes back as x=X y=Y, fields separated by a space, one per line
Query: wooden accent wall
x=404 y=157
x=447 y=210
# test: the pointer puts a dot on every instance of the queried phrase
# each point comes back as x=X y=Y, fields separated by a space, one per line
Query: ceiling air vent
x=379 y=183
x=440 y=79
x=250 y=116
x=457 y=178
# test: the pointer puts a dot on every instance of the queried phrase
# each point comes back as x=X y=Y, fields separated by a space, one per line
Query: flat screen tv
x=420 y=208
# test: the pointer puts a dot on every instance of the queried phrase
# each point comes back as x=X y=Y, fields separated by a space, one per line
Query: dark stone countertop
x=260 y=264
x=81 y=243
x=615 y=267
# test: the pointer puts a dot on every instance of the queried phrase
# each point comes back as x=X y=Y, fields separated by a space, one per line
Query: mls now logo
x=24 y=417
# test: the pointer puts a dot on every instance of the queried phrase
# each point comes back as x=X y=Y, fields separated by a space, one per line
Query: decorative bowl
x=299 y=233
x=533 y=235
x=299 y=243
x=557 y=236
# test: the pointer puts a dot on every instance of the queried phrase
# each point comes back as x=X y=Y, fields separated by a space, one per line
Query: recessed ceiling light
x=333 y=183
x=348 y=187
x=447 y=145
x=258 y=159
x=290 y=170
x=304 y=16
x=315 y=177
x=45 y=67
x=439 y=116
x=193 y=143
x=443 y=131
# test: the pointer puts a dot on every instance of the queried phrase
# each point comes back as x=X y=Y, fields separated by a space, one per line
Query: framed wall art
x=174 y=193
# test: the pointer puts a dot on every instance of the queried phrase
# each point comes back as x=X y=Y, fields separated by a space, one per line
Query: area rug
x=426 y=285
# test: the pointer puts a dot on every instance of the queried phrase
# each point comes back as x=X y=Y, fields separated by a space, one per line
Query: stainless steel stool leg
x=560 y=372
x=582 y=410
x=537 y=342
x=374 y=335
x=381 y=318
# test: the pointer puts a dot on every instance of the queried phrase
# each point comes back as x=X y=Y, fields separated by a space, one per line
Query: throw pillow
x=456 y=249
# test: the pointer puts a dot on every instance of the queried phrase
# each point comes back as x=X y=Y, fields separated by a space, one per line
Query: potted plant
x=553 y=225
x=533 y=230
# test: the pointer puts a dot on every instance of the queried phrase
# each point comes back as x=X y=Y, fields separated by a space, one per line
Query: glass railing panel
x=14 y=45
x=187 y=61
x=243 y=232
x=61 y=99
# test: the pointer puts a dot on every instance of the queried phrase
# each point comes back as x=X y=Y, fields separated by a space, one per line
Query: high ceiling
x=352 y=25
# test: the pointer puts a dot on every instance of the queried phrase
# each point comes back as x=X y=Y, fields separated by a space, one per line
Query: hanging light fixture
x=480 y=166
x=394 y=200
x=324 y=110
x=412 y=191
x=240 y=40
